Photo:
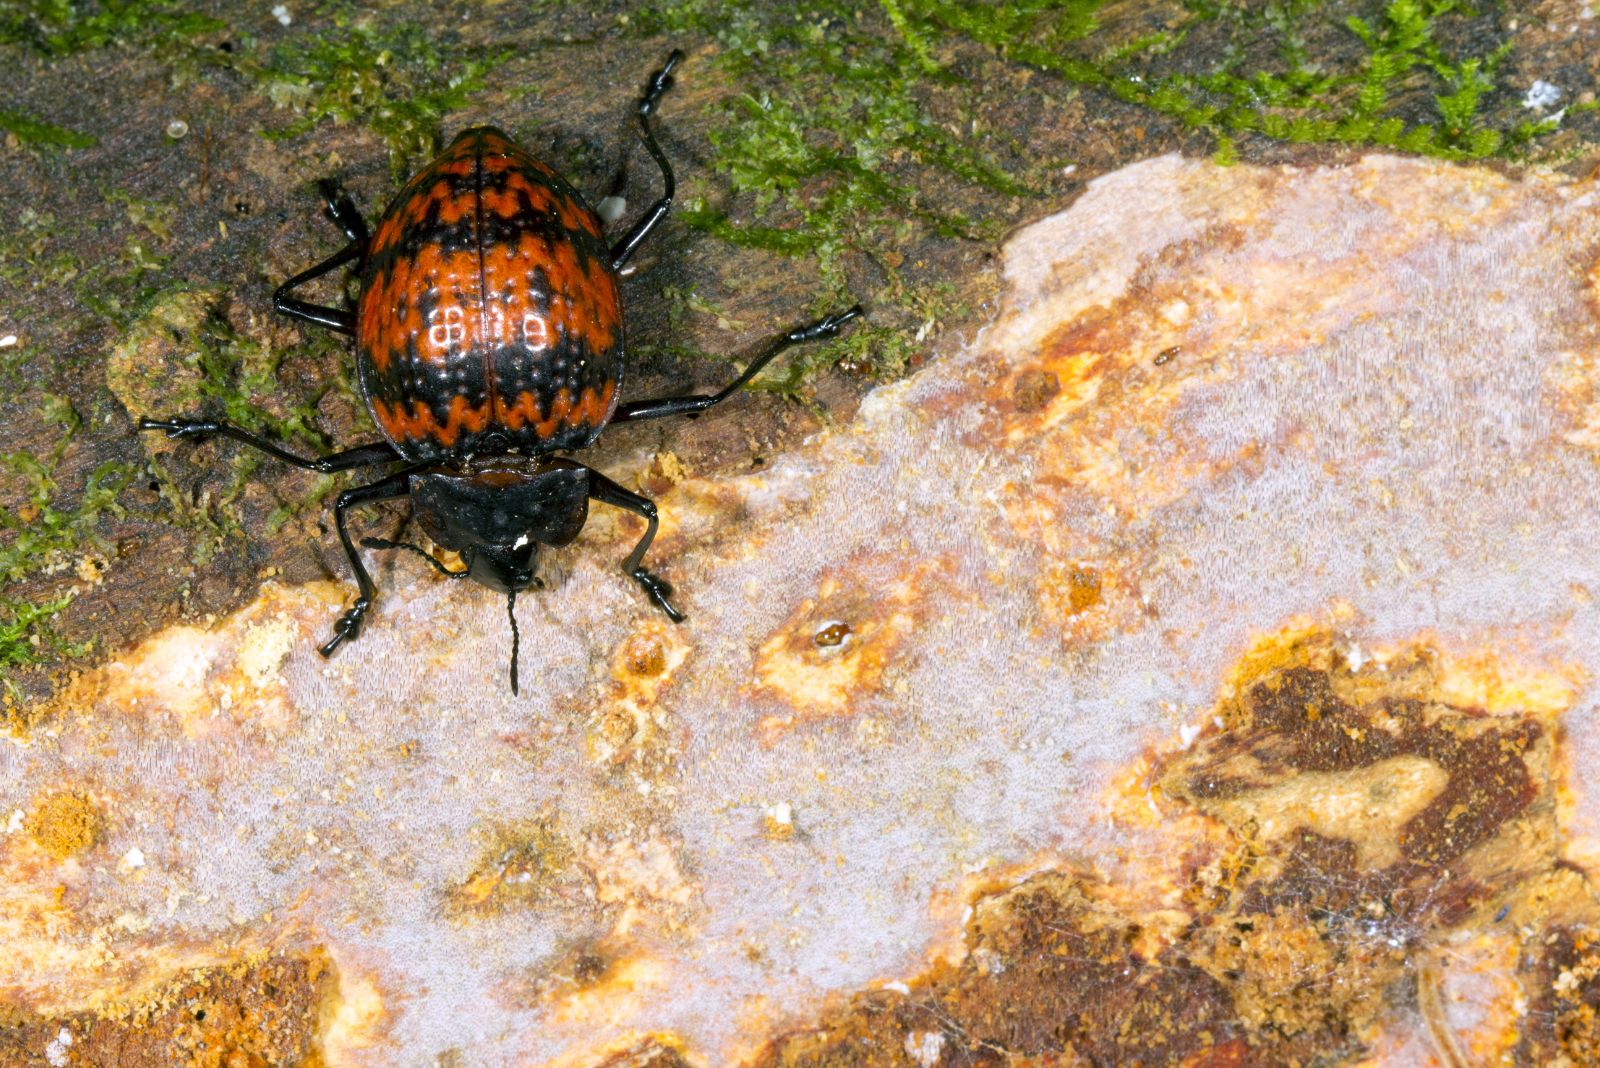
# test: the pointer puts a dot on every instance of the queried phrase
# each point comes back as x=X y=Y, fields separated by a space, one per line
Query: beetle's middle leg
x=338 y=319
x=380 y=452
x=606 y=491
x=385 y=489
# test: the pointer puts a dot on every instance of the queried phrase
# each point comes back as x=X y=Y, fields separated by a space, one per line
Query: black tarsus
x=822 y=329
x=379 y=452
x=338 y=206
x=658 y=84
x=605 y=491
x=385 y=489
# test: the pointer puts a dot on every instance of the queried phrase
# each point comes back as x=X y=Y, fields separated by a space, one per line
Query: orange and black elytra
x=488 y=336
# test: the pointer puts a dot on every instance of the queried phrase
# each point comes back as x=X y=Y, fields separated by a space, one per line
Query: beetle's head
x=507 y=568
x=497 y=512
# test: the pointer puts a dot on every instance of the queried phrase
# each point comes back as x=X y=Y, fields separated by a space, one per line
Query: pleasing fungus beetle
x=488 y=338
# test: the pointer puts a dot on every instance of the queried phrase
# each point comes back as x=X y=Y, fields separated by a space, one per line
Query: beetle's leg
x=380 y=452
x=333 y=318
x=349 y=625
x=343 y=211
x=820 y=330
x=659 y=83
x=338 y=206
x=606 y=491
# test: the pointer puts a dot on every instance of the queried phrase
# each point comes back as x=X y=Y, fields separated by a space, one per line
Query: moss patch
x=63 y=27
x=858 y=133
x=26 y=130
x=396 y=79
x=44 y=532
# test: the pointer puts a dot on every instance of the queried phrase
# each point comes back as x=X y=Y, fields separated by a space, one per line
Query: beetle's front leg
x=349 y=626
x=657 y=589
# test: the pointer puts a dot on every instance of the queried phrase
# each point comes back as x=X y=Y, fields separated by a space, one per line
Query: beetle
x=488 y=340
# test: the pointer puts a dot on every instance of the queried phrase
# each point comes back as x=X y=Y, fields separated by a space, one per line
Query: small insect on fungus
x=488 y=339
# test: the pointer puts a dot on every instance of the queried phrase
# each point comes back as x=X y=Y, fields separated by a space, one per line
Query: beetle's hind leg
x=361 y=456
x=606 y=491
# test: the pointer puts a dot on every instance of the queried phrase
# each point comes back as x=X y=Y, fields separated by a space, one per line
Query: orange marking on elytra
x=539 y=196
x=420 y=423
x=388 y=235
x=574 y=216
x=556 y=417
x=593 y=406
x=515 y=416
x=452 y=207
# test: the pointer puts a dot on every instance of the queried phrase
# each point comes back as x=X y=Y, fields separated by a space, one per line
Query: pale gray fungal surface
x=1218 y=404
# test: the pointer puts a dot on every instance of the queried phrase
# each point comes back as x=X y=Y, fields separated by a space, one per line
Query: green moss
x=26 y=637
x=860 y=132
x=43 y=532
x=183 y=355
x=849 y=145
x=34 y=262
x=31 y=131
x=396 y=80
x=62 y=27
x=43 y=528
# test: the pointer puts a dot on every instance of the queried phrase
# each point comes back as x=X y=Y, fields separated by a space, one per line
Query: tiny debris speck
x=56 y=1051
x=1541 y=94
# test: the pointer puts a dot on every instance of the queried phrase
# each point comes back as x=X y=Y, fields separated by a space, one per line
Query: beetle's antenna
x=385 y=543
x=511 y=610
